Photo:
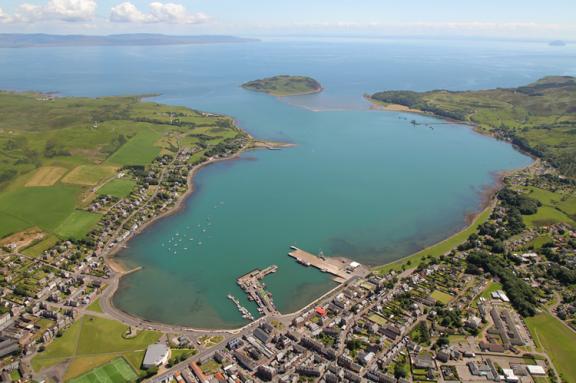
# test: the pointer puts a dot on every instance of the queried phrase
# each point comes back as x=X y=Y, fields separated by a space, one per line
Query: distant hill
x=21 y=40
x=540 y=117
x=557 y=43
x=284 y=85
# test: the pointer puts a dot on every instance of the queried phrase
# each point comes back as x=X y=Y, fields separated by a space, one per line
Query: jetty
x=252 y=284
x=243 y=310
x=341 y=268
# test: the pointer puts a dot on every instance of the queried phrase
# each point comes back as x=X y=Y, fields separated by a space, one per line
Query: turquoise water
x=363 y=184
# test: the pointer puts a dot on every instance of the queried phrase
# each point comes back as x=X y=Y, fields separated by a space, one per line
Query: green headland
x=539 y=118
x=58 y=155
x=284 y=85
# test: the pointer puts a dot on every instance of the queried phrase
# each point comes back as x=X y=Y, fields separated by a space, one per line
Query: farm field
x=120 y=187
x=45 y=207
x=89 y=175
x=77 y=224
x=140 y=150
x=556 y=207
x=557 y=340
x=84 y=346
x=54 y=158
x=46 y=176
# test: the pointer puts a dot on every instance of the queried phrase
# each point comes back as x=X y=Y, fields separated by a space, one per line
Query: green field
x=115 y=371
x=78 y=224
x=284 y=85
x=140 y=150
x=89 y=175
x=91 y=341
x=55 y=150
x=45 y=207
x=538 y=117
x=441 y=296
x=440 y=248
x=556 y=207
x=38 y=248
x=120 y=187
x=95 y=306
x=559 y=342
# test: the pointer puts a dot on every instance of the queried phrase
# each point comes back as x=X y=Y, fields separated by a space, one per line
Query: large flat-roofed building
x=156 y=355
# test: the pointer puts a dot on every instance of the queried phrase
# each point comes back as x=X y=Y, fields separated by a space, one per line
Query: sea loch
x=368 y=185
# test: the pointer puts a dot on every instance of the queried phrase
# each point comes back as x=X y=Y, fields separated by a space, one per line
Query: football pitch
x=115 y=371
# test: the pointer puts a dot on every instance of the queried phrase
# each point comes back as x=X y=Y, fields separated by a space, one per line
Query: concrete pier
x=341 y=268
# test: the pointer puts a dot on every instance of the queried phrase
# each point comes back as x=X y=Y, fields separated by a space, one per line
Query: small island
x=284 y=85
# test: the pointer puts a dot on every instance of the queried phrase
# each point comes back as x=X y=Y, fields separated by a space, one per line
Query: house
x=156 y=354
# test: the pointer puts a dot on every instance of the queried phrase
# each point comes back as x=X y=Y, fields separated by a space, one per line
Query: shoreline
x=487 y=197
x=111 y=256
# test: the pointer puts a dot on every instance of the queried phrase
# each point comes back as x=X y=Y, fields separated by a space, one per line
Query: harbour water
x=363 y=184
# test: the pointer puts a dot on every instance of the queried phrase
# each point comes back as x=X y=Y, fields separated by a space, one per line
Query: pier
x=252 y=284
x=341 y=268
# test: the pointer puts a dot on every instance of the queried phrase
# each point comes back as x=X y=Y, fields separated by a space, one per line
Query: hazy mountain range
x=18 y=40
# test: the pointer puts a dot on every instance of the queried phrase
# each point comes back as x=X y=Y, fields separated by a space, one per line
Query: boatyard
x=341 y=268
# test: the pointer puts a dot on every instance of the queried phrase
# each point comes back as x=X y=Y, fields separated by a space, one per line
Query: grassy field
x=92 y=340
x=38 y=248
x=115 y=371
x=556 y=207
x=559 y=342
x=45 y=207
x=77 y=224
x=438 y=249
x=140 y=150
x=95 y=306
x=89 y=175
x=284 y=85
x=46 y=176
x=441 y=296
x=120 y=187
x=54 y=150
x=538 y=117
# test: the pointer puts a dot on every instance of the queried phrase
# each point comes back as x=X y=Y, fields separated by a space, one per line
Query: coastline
x=487 y=195
x=473 y=220
x=110 y=256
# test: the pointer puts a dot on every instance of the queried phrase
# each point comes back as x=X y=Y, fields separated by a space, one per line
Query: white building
x=156 y=355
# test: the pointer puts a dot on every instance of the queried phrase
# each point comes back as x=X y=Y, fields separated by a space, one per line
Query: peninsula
x=539 y=118
x=284 y=85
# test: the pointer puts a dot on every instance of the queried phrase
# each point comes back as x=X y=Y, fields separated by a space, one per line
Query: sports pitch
x=115 y=371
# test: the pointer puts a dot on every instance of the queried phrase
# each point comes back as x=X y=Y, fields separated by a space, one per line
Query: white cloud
x=168 y=13
x=4 y=17
x=59 y=10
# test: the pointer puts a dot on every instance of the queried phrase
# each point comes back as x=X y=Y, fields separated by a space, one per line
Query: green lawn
x=45 y=207
x=441 y=296
x=78 y=224
x=546 y=215
x=116 y=371
x=557 y=340
x=95 y=306
x=93 y=340
x=440 y=248
x=140 y=150
x=120 y=187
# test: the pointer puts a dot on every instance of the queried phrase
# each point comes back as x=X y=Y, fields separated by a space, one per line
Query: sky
x=527 y=19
